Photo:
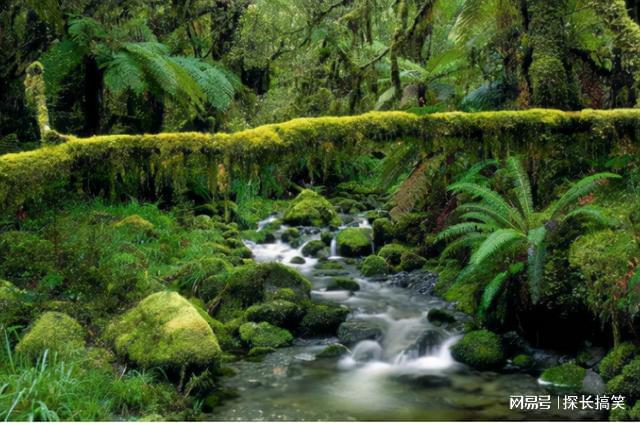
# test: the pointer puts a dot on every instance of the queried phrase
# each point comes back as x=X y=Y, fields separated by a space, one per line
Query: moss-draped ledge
x=153 y=163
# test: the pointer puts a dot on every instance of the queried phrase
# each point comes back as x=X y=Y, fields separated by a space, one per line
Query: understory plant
x=502 y=230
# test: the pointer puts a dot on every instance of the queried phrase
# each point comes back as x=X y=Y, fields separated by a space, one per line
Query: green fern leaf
x=523 y=187
x=499 y=241
x=490 y=293
x=493 y=200
x=579 y=189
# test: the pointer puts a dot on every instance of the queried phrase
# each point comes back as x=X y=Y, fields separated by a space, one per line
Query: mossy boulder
x=136 y=224
x=259 y=237
x=354 y=242
x=255 y=283
x=439 y=316
x=286 y=294
x=314 y=248
x=333 y=351
x=383 y=231
x=341 y=283
x=612 y=364
x=479 y=349
x=278 y=312
x=164 y=330
x=290 y=234
x=57 y=332
x=327 y=238
x=392 y=253
x=410 y=261
x=524 y=361
x=374 y=266
x=264 y=334
x=310 y=209
x=627 y=383
x=297 y=260
x=567 y=376
x=322 y=319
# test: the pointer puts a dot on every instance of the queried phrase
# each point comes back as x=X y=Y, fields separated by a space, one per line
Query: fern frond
x=480 y=217
x=84 y=30
x=593 y=213
x=415 y=188
x=470 y=240
x=499 y=241
x=401 y=159
x=579 y=189
x=474 y=14
x=492 y=200
x=123 y=73
x=154 y=64
x=490 y=293
x=218 y=89
x=461 y=229
x=471 y=175
x=523 y=187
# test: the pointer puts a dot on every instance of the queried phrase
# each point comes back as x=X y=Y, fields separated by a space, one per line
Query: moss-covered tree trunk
x=626 y=33
x=549 y=75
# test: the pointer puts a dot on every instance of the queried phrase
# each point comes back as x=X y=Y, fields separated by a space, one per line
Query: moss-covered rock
x=566 y=376
x=440 y=316
x=290 y=234
x=392 y=253
x=327 y=238
x=322 y=319
x=53 y=331
x=383 y=231
x=264 y=334
x=612 y=364
x=627 y=383
x=374 y=266
x=354 y=242
x=341 y=283
x=297 y=260
x=136 y=224
x=164 y=330
x=410 y=261
x=259 y=237
x=310 y=209
x=480 y=349
x=278 y=312
x=314 y=248
x=253 y=284
x=333 y=351
x=524 y=361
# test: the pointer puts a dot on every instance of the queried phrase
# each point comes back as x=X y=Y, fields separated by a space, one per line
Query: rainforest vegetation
x=318 y=210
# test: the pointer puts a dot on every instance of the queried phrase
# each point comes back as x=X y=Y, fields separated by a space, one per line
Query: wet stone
x=354 y=331
x=421 y=282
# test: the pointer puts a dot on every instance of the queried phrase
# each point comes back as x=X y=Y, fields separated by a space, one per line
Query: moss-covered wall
x=152 y=165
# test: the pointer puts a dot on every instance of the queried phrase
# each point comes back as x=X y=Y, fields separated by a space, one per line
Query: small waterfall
x=334 y=248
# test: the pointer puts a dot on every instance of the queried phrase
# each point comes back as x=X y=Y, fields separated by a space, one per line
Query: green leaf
x=493 y=200
x=490 y=293
x=579 y=189
x=523 y=187
x=497 y=242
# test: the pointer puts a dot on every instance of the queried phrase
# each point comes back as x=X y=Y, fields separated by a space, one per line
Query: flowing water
x=407 y=373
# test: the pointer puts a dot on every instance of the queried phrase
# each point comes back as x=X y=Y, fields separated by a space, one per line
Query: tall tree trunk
x=548 y=74
x=92 y=97
x=626 y=34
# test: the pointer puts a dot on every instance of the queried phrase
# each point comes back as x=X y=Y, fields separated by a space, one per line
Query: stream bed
x=404 y=373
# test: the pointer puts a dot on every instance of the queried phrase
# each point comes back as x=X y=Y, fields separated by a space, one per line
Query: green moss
x=410 y=261
x=354 y=242
x=252 y=284
x=164 y=330
x=285 y=294
x=374 y=266
x=25 y=256
x=310 y=209
x=523 y=360
x=479 y=349
x=259 y=237
x=393 y=253
x=322 y=319
x=566 y=376
x=290 y=234
x=136 y=224
x=326 y=237
x=99 y=358
x=314 y=248
x=342 y=283
x=278 y=312
x=383 y=231
x=464 y=295
x=627 y=383
x=612 y=364
x=53 y=331
x=264 y=334
x=333 y=351
x=329 y=265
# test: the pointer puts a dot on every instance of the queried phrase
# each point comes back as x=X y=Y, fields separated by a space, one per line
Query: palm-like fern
x=133 y=60
x=494 y=226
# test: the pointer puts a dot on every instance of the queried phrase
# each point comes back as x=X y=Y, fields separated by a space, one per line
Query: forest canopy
x=152 y=66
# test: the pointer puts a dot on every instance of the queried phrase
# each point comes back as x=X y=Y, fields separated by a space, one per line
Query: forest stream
x=404 y=371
